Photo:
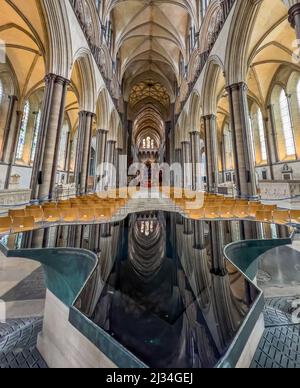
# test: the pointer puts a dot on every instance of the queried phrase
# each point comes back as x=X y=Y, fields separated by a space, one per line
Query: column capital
x=209 y=117
x=195 y=133
x=13 y=98
x=86 y=113
x=293 y=12
x=56 y=79
x=102 y=131
x=237 y=86
x=185 y=142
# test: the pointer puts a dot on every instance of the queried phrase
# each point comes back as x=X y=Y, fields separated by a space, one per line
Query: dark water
x=162 y=288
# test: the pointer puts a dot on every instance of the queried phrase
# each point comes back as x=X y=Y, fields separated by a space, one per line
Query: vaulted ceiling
x=150 y=38
x=23 y=32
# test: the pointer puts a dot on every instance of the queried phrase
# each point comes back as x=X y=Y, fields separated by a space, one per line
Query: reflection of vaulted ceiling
x=23 y=33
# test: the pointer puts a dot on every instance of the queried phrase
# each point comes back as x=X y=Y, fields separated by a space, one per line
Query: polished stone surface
x=158 y=275
x=22 y=287
x=171 y=304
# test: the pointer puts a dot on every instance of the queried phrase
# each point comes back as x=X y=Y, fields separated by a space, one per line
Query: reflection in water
x=162 y=287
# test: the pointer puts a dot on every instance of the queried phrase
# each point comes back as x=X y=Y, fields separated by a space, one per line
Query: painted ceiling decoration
x=149 y=89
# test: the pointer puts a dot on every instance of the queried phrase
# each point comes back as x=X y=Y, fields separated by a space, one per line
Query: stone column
x=242 y=150
x=13 y=150
x=186 y=164
x=129 y=142
x=196 y=159
x=217 y=244
x=187 y=226
x=83 y=151
x=199 y=234
x=101 y=137
x=178 y=153
x=294 y=18
x=109 y=161
x=8 y=125
x=45 y=164
x=86 y=152
x=211 y=152
x=118 y=152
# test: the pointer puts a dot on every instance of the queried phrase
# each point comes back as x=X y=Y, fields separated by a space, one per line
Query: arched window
x=148 y=140
x=261 y=133
x=63 y=146
x=35 y=135
x=23 y=130
x=228 y=147
x=286 y=124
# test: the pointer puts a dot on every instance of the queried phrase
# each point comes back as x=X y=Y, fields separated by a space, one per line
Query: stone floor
x=18 y=339
x=22 y=297
x=22 y=288
x=280 y=345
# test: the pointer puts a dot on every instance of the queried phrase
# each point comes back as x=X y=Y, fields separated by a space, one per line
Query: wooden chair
x=51 y=214
x=295 y=216
x=102 y=214
x=5 y=224
x=196 y=214
x=212 y=212
x=69 y=215
x=17 y=213
x=64 y=204
x=254 y=207
x=22 y=224
x=281 y=217
x=227 y=211
x=264 y=216
x=241 y=211
x=49 y=205
x=86 y=215
x=36 y=213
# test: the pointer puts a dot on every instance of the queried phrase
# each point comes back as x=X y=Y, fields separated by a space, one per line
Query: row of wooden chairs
x=32 y=217
x=263 y=213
